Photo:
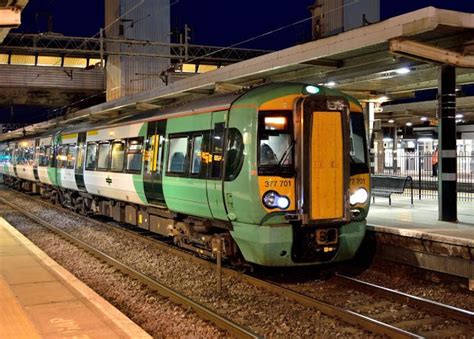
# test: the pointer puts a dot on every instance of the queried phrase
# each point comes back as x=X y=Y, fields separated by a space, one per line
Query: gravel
x=429 y=285
x=262 y=311
x=155 y=314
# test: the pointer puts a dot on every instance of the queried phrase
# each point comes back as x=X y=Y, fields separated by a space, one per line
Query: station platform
x=40 y=299
x=413 y=234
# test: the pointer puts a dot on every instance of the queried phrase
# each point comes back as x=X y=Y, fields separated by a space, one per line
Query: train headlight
x=359 y=197
x=283 y=203
x=272 y=199
x=312 y=89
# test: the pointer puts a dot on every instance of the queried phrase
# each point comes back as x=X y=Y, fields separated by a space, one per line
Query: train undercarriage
x=198 y=235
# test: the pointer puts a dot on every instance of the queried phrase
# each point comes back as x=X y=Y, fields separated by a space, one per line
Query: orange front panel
x=327 y=167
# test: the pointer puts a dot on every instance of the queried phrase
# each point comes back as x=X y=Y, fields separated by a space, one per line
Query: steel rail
x=410 y=300
x=202 y=311
x=345 y=315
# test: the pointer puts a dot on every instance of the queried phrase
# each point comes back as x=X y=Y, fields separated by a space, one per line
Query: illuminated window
x=95 y=62
x=75 y=62
x=188 y=68
x=52 y=61
x=3 y=59
x=206 y=68
x=20 y=59
x=275 y=123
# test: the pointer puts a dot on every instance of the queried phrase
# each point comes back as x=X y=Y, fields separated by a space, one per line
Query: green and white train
x=278 y=172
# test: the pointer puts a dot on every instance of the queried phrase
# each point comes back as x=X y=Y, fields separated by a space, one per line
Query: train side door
x=36 y=159
x=80 y=157
x=215 y=180
x=153 y=169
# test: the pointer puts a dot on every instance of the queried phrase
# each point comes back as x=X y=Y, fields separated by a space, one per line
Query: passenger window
x=91 y=156
x=103 y=157
x=118 y=155
x=197 y=158
x=235 y=154
x=43 y=156
x=71 y=156
x=62 y=156
x=135 y=155
x=217 y=150
x=178 y=153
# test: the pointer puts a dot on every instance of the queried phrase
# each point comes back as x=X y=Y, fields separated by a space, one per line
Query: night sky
x=213 y=22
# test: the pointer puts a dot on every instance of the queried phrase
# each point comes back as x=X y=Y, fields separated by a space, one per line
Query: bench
x=385 y=186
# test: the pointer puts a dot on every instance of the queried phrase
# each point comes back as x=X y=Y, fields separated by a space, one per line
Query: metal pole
x=102 y=48
x=420 y=163
x=219 y=266
x=447 y=180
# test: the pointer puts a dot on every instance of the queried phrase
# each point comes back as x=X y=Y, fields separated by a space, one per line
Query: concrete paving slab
x=68 y=319
x=42 y=293
x=421 y=221
x=25 y=275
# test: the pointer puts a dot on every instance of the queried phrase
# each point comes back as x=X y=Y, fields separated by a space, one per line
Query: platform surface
x=40 y=299
x=421 y=220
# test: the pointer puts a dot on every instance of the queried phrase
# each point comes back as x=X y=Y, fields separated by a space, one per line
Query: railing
x=419 y=165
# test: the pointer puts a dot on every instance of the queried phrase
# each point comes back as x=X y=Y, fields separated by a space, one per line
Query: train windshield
x=358 y=146
x=275 y=152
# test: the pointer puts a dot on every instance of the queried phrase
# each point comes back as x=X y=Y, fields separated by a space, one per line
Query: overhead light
x=409 y=124
x=330 y=84
x=403 y=70
x=458 y=121
x=387 y=139
x=459 y=116
x=424 y=119
x=383 y=98
x=425 y=139
x=391 y=121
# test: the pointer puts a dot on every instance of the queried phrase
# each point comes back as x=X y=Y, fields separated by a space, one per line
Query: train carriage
x=279 y=172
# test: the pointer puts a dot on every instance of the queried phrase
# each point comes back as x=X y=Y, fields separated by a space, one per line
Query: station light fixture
x=387 y=139
x=403 y=70
x=391 y=121
x=330 y=84
x=424 y=119
x=409 y=124
x=383 y=98
x=459 y=116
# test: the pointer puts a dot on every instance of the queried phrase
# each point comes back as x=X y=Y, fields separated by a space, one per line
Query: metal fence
x=419 y=165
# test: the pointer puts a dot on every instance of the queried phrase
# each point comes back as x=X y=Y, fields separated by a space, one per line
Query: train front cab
x=315 y=190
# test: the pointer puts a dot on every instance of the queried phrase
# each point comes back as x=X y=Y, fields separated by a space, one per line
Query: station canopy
x=381 y=62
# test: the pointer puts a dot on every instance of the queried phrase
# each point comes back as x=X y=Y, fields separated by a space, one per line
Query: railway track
x=462 y=320
x=179 y=298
